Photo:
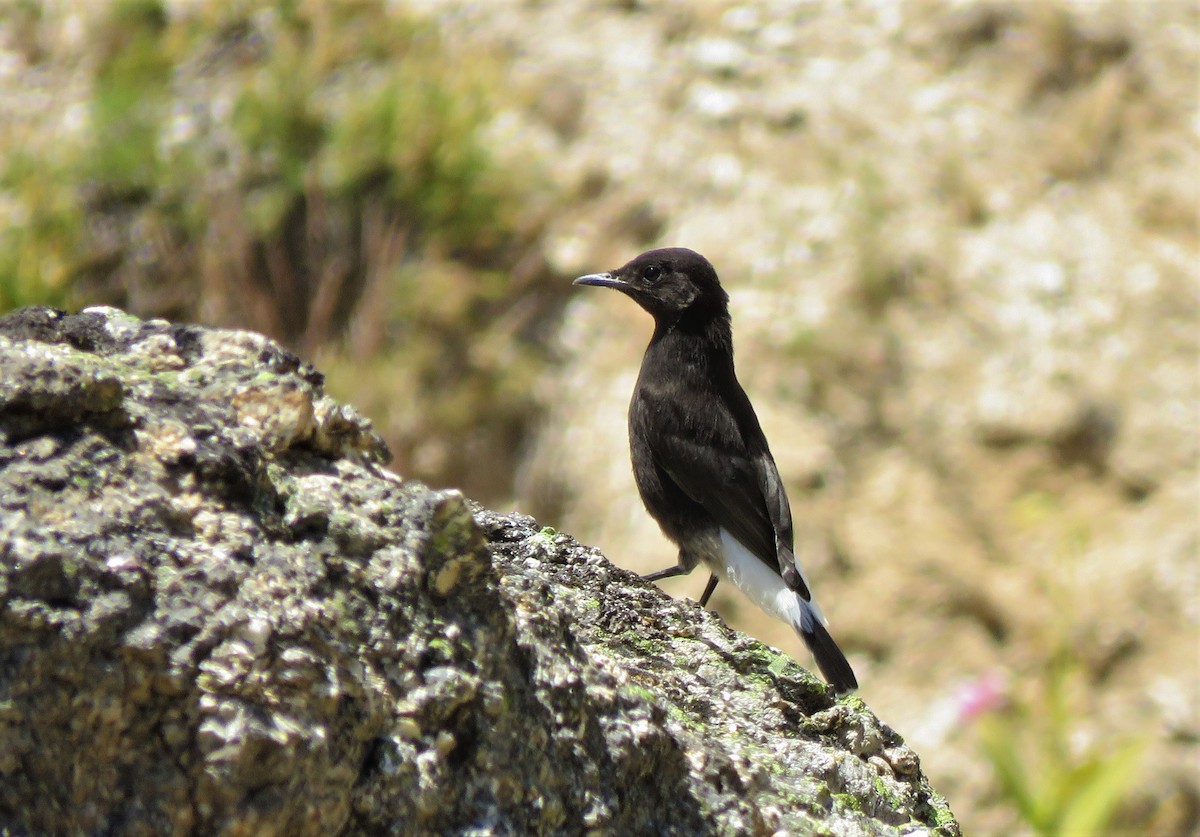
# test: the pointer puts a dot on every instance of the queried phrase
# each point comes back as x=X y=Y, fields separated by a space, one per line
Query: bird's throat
x=690 y=347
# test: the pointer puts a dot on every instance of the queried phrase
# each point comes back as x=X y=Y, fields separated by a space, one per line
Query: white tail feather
x=763 y=585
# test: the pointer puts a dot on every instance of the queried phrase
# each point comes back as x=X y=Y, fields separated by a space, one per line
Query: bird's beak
x=601 y=280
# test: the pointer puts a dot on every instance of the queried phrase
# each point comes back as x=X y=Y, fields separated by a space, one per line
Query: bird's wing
x=780 y=513
x=743 y=493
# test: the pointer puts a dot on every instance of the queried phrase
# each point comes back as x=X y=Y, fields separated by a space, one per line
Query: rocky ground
x=961 y=245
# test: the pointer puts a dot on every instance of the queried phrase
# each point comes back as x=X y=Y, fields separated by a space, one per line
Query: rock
x=720 y=56
x=714 y=103
x=218 y=614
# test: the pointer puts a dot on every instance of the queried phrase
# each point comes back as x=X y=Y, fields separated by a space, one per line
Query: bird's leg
x=669 y=572
x=679 y=569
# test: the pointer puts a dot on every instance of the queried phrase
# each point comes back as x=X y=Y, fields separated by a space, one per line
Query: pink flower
x=985 y=694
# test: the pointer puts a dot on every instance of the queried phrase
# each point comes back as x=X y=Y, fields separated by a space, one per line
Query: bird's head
x=668 y=283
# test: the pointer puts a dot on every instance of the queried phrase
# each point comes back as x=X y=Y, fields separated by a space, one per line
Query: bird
x=700 y=459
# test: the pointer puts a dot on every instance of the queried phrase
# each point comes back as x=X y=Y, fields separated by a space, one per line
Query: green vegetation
x=315 y=171
x=1057 y=788
x=1033 y=740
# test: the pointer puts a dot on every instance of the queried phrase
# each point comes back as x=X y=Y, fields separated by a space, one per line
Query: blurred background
x=961 y=241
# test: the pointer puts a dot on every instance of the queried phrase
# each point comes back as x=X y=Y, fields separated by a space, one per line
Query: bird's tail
x=830 y=659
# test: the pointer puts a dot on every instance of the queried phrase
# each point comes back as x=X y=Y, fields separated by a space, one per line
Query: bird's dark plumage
x=700 y=458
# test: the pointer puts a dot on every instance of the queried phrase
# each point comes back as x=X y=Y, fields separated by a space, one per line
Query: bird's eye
x=652 y=273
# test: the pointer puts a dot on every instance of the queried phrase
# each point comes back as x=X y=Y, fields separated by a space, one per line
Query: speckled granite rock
x=218 y=614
